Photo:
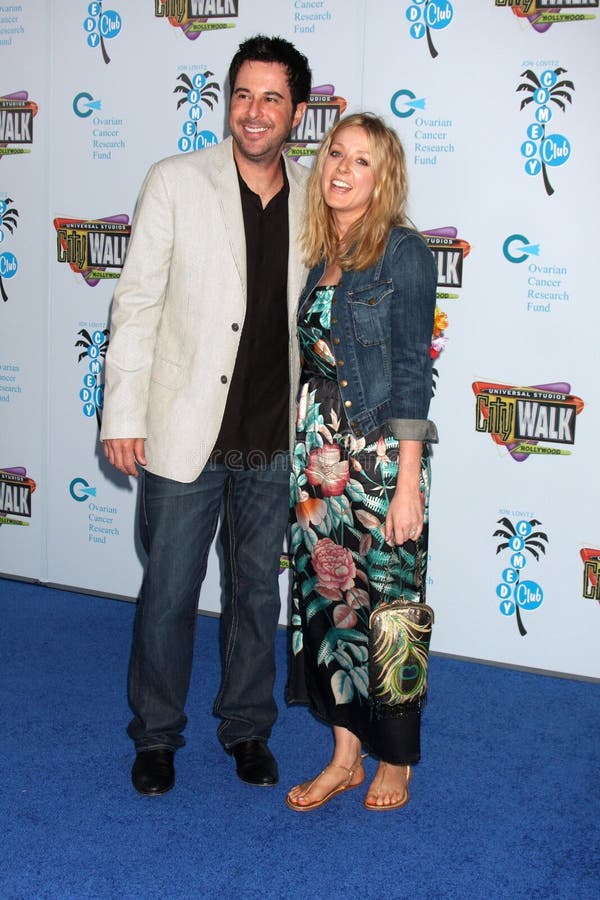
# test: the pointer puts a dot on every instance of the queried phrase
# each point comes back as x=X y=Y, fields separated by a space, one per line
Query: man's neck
x=264 y=178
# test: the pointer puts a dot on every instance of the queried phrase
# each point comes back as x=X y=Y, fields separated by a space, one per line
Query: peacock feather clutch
x=399 y=637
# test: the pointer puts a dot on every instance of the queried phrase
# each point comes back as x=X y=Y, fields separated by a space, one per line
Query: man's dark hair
x=261 y=48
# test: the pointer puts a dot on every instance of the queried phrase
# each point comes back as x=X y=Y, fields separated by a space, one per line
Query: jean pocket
x=371 y=311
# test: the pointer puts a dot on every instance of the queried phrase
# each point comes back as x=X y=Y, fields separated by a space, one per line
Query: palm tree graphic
x=105 y=55
x=8 y=220
x=533 y=543
x=432 y=49
x=87 y=342
x=208 y=92
x=559 y=93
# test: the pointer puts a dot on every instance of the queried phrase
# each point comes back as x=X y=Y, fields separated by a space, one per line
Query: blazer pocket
x=167 y=373
x=370 y=309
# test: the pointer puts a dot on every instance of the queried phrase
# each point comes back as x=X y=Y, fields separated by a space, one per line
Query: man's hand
x=123 y=453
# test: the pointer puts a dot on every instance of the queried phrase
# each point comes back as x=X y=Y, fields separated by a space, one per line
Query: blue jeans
x=178 y=524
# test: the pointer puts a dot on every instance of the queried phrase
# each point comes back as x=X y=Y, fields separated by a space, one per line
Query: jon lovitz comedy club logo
x=543 y=14
x=195 y=91
x=322 y=112
x=528 y=421
x=9 y=220
x=16 y=489
x=544 y=93
x=522 y=540
x=91 y=348
x=196 y=16
x=17 y=113
x=93 y=248
x=101 y=25
x=449 y=252
x=428 y=16
x=590 y=556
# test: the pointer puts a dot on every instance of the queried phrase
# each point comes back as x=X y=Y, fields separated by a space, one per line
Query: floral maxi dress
x=341 y=487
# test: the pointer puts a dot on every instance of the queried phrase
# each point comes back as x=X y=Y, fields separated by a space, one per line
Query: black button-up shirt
x=255 y=422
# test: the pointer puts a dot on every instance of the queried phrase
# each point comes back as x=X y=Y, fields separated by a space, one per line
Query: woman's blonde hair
x=365 y=241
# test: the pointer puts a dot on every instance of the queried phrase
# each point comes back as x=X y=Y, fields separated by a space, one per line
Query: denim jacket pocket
x=371 y=310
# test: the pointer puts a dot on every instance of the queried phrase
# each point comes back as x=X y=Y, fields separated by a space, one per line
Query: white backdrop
x=92 y=93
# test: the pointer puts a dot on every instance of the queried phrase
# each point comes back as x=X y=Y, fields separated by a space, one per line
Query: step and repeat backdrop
x=496 y=103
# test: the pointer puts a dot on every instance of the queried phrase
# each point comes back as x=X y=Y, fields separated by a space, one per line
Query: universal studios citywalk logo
x=16 y=489
x=528 y=421
x=17 y=113
x=543 y=14
x=590 y=557
x=449 y=252
x=94 y=248
x=323 y=111
x=196 y=16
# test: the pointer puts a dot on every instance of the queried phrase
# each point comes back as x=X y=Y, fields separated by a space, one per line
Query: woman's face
x=347 y=180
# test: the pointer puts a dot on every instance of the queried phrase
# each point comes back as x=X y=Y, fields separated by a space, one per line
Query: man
x=201 y=375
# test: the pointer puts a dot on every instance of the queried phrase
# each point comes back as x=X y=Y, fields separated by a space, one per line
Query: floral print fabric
x=341 y=487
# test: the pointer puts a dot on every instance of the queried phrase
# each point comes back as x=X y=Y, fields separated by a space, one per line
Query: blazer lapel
x=225 y=180
x=296 y=269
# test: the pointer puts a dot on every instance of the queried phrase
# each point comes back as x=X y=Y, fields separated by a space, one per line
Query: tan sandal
x=346 y=785
x=399 y=803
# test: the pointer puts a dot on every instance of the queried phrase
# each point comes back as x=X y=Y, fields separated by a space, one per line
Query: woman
x=360 y=481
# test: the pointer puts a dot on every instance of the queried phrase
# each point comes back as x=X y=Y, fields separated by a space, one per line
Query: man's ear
x=297 y=117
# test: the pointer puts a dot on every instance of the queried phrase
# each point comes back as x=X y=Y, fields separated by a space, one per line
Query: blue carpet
x=505 y=803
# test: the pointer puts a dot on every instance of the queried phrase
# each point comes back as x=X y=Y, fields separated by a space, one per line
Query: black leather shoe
x=255 y=764
x=153 y=772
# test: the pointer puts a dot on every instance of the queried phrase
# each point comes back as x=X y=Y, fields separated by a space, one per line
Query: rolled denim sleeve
x=414 y=430
x=413 y=310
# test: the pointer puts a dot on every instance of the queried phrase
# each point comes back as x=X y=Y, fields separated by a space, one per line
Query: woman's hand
x=404 y=519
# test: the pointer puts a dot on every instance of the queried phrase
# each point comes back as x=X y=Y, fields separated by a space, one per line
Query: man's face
x=261 y=112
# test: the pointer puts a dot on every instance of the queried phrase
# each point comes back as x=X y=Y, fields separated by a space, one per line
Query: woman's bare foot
x=389 y=788
x=345 y=771
x=334 y=779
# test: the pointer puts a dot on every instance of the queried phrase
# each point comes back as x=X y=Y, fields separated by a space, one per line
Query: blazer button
x=358 y=432
x=334 y=321
x=339 y=362
x=372 y=301
x=336 y=340
x=343 y=383
x=223 y=379
x=235 y=326
x=348 y=403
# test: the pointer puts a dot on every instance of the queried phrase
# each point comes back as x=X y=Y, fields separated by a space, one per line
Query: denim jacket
x=381 y=328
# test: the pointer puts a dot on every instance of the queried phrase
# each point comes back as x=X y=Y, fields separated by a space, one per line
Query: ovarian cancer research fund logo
x=545 y=284
x=101 y=519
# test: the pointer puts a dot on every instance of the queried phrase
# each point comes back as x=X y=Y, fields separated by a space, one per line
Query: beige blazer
x=179 y=308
